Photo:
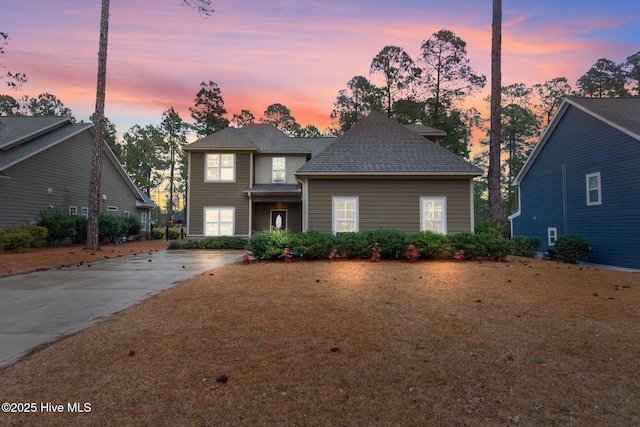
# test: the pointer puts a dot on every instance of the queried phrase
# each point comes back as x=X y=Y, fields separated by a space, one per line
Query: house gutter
x=249 y=194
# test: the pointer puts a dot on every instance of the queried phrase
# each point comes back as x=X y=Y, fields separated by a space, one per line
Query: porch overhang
x=274 y=192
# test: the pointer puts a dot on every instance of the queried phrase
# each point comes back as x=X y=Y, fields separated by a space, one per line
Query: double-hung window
x=278 y=174
x=345 y=214
x=218 y=221
x=433 y=214
x=594 y=189
x=220 y=167
x=552 y=236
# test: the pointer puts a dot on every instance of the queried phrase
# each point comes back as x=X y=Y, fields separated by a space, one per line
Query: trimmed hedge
x=571 y=248
x=17 y=239
x=222 y=242
x=269 y=245
x=525 y=246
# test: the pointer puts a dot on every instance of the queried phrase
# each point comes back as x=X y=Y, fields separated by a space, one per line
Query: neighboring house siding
x=388 y=202
x=65 y=169
x=262 y=215
x=585 y=145
x=263 y=167
x=226 y=194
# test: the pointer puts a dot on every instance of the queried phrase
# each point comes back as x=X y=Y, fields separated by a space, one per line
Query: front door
x=278 y=219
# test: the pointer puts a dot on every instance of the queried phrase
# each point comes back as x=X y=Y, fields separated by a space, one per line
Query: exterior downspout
x=472 y=204
x=305 y=203
x=187 y=209
x=250 y=213
x=564 y=200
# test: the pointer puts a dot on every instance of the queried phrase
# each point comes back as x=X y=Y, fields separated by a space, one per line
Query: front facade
x=45 y=163
x=380 y=174
x=583 y=177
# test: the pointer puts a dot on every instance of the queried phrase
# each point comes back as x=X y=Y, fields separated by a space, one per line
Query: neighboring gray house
x=379 y=174
x=583 y=177
x=45 y=162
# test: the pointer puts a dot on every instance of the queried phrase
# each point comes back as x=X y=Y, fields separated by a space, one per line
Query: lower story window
x=552 y=235
x=345 y=214
x=143 y=221
x=218 y=221
x=433 y=214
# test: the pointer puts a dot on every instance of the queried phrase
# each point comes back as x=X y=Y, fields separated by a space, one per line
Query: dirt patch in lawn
x=354 y=343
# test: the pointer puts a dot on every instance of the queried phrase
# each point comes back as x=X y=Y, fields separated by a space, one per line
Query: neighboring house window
x=594 y=193
x=73 y=210
x=433 y=214
x=84 y=212
x=143 y=221
x=125 y=214
x=218 y=221
x=278 y=170
x=552 y=235
x=345 y=214
x=112 y=208
x=220 y=167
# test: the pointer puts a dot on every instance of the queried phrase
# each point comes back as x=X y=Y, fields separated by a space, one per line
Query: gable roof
x=622 y=114
x=258 y=137
x=26 y=136
x=380 y=145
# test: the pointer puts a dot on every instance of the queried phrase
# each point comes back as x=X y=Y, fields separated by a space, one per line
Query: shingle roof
x=15 y=130
x=624 y=112
x=261 y=137
x=379 y=145
x=31 y=145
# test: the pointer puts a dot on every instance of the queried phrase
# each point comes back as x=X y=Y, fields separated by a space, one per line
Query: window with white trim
x=552 y=236
x=220 y=167
x=125 y=214
x=594 y=189
x=84 y=212
x=433 y=214
x=345 y=214
x=73 y=210
x=112 y=208
x=218 y=221
x=278 y=170
x=143 y=221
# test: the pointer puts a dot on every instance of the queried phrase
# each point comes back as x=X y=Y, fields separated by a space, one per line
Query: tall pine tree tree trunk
x=493 y=176
x=93 y=241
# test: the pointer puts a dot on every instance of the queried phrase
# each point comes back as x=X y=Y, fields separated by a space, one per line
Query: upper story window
x=278 y=171
x=594 y=190
x=220 y=167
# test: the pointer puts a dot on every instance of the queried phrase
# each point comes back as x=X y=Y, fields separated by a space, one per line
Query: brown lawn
x=354 y=343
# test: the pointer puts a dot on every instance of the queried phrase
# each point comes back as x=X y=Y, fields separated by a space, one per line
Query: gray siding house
x=583 y=176
x=45 y=163
x=379 y=174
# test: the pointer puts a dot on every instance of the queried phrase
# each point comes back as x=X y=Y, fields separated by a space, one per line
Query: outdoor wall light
x=104 y=197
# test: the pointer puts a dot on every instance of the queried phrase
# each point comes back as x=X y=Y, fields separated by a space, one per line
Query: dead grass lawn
x=355 y=343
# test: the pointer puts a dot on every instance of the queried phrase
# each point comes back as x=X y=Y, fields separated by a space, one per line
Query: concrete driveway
x=40 y=307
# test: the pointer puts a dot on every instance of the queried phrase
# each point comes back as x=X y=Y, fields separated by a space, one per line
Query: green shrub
x=15 y=240
x=223 y=242
x=313 y=244
x=111 y=225
x=159 y=233
x=571 y=248
x=132 y=226
x=353 y=245
x=393 y=243
x=269 y=244
x=59 y=225
x=525 y=246
x=471 y=244
x=38 y=233
x=497 y=248
x=431 y=245
x=81 y=226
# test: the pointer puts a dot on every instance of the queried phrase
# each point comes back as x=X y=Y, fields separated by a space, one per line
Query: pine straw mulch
x=355 y=343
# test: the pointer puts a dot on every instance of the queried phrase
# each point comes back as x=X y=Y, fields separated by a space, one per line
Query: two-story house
x=379 y=174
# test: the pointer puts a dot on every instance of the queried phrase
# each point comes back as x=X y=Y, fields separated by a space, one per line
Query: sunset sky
x=299 y=53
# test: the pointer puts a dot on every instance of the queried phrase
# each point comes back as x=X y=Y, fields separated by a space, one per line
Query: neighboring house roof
x=16 y=130
x=380 y=145
x=26 y=136
x=263 y=138
x=40 y=133
x=622 y=114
